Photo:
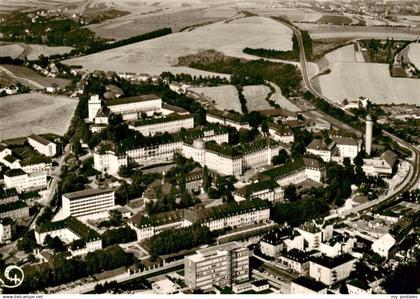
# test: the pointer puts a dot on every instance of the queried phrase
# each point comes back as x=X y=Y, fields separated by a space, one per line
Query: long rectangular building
x=88 y=202
x=133 y=107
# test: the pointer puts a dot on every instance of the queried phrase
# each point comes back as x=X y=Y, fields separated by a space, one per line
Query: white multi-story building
x=230 y=163
x=230 y=214
x=94 y=105
x=132 y=107
x=33 y=164
x=172 y=123
x=306 y=285
x=296 y=172
x=266 y=190
x=221 y=265
x=331 y=270
x=105 y=159
x=345 y=147
x=22 y=181
x=80 y=238
x=146 y=226
x=319 y=148
x=337 y=246
x=42 y=145
x=87 y=202
x=383 y=245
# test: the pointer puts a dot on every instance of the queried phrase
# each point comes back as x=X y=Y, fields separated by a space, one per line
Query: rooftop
x=6 y=193
x=225 y=210
x=278 y=235
x=86 y=193
x=176 y=109
x=40 y=139
x=390 y=157
x=277 y=112
x=158 y=120
x=71 y=223
x=310 y=283
x=14 y=172
x=141 y=220
x=319 y=145
x=135 y=99
x=332 y=262
x=256 y=187
x=297 y=255
x=292 y=166
x=344 y=141
x=15 y=205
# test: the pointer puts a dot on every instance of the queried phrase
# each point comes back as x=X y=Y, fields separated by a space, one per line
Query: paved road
x=411 y=181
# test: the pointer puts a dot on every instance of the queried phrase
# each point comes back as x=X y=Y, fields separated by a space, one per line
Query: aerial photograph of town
x=222 y=147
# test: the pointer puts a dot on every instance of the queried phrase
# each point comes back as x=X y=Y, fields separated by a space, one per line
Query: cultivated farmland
x=224 y=97
x=350 y=79
x=255 y=97
x=24 y=114
x=32 y=52
x=161 y=54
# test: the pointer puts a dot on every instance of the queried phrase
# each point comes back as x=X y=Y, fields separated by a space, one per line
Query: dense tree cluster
x=174 y=240
x=118 y=236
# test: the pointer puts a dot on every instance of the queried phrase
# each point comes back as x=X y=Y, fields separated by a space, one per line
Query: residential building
x=307 y=285
x=266 y=190
x=331 y=270
x=319 y=148
x=312 y=235
x=295 y=172
x=345 y=147
x=357 y=287
x=158 y=189
x=226 y=118
x=80 y=238
x=42 y=145
x=296 y=260
x=5 y=230
x=88 y=202
x=107 y=160
x=230 y=214
x=221 y=265
x=14 y=210
x=274 y=242
x=22 y=181
x=279 y=114
x=337 y=245
x=172 y=123
x=8 y=196
x=281 y=133
x=381 y=166
x=146 y=226
x=131 y=108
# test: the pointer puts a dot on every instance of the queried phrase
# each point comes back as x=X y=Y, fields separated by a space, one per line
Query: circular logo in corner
x=13 y=277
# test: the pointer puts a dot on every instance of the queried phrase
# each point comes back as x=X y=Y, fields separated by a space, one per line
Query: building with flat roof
x=221 y=265
x=22 y=181
x=42 y=145
x=296 y=260
x=307 y=285
x=330 y=270
x=87 y=202
x=171 y=123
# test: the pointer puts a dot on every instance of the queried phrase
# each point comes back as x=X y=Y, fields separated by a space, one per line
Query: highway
x=411 y=181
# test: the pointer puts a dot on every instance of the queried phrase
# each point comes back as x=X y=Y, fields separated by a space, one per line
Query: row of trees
x=62 y=270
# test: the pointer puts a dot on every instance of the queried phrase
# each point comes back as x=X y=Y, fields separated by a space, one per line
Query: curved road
x=412 y=181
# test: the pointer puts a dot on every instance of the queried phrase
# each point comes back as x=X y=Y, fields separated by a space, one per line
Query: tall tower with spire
x=368 y=135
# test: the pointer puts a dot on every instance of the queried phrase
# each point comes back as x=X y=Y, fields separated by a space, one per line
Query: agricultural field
x=11 y=74
x=278 y=98
x=37 y=113
x=255 y=97
x=353 y=79
x=32 y=52
x=161 y=54
x=223 y=97
x=414 y=54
